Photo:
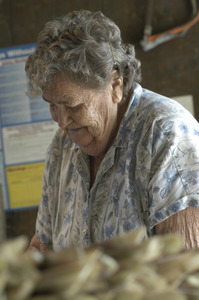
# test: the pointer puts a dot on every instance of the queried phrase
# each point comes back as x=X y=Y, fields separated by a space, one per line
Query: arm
x=36 y=244
x=185 y=223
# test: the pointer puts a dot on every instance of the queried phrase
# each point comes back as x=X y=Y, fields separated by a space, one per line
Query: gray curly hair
x=87 y=46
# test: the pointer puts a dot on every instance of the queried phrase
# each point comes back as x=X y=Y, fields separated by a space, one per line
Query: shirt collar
x=134 y=101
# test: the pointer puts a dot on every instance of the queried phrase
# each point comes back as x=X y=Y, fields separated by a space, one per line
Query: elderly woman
x=124 y=157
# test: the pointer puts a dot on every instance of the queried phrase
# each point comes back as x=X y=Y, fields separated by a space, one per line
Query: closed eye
x=74 y=108
x=52 y=106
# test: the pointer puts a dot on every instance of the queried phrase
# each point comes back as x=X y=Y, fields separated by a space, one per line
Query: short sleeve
x=174 y=182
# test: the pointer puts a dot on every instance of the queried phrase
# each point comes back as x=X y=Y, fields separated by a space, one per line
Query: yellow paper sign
x=25 y=184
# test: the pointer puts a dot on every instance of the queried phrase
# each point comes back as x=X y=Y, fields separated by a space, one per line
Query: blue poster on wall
x=26 y=130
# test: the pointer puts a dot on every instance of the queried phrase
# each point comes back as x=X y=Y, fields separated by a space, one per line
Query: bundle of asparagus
x=126 y=267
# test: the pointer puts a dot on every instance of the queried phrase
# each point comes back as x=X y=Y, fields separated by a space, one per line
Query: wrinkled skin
x=90 y=117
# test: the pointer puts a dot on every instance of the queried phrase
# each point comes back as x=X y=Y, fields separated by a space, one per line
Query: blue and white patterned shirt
x=149 y=173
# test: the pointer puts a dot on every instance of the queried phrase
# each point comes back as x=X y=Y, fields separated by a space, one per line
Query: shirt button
x=84 y=232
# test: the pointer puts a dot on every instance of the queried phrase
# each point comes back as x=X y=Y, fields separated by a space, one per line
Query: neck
x=94 y=166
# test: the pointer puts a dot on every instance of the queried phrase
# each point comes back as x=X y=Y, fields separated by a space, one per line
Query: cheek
x=86 y=117
x=96 y=123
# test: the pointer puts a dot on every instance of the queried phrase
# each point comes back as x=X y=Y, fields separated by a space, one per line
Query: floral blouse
x=149 y=173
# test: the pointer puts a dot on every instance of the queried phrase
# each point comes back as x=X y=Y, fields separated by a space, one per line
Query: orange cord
x=177 y=29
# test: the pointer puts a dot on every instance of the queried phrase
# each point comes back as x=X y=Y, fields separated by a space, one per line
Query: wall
x=171 y=68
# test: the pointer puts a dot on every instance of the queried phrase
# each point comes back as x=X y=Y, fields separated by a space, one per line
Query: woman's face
x=88 y=116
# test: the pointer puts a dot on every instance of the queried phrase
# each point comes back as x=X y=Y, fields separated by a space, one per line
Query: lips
x=75 y=129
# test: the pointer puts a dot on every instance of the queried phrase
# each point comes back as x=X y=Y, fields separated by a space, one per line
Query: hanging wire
x=150 y=41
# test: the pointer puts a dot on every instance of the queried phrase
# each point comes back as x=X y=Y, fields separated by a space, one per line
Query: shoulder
x=157 y=104
x=59 y=138
x=164 y=113
x=161 y=106
x=59 y=142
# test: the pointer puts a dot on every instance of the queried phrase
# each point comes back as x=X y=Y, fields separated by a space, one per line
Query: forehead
x=62 y=88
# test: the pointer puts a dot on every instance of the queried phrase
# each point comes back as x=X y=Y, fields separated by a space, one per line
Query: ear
x=117 y=87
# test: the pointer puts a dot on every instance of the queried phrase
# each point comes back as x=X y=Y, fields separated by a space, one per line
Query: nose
x=63 y=117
